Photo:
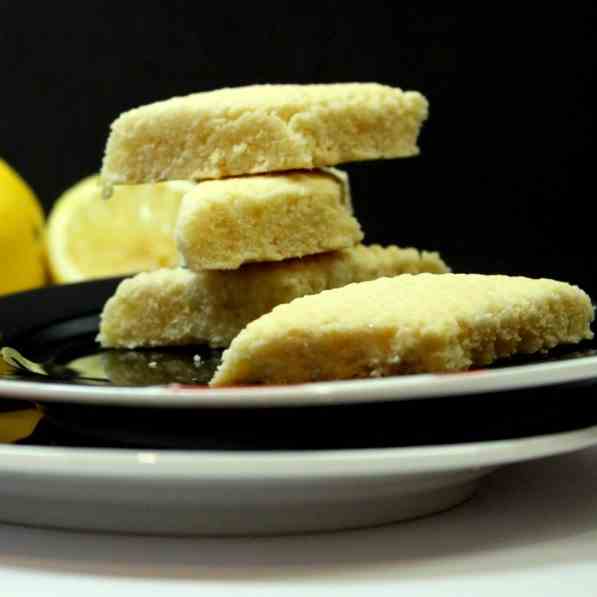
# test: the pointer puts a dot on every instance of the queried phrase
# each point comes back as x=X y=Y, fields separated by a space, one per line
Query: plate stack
x=265 y=220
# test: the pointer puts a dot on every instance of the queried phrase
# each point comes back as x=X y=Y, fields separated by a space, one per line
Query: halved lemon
x=92 y=237
x=22 y=259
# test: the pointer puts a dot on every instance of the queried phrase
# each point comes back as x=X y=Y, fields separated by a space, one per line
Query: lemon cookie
x=175 y=307
x=225 y=223
x=262 y=128
x=406 y=324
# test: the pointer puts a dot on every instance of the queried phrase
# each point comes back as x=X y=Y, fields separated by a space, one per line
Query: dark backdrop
x=505 y=179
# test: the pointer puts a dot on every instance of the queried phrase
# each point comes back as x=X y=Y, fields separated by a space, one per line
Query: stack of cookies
x=269 y=219
x=272 y=261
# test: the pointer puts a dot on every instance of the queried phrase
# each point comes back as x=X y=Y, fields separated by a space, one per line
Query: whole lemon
x=22 y=252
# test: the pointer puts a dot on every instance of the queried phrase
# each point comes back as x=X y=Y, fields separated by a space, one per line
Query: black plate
x=58 y=324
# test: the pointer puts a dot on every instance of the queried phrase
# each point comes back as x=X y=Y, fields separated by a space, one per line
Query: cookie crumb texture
x=149 y=309
x=225 y=223
x=262 y=128
x=406 y=324
x=177 y=307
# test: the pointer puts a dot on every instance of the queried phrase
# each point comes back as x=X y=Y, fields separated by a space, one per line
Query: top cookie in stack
x=262 y=128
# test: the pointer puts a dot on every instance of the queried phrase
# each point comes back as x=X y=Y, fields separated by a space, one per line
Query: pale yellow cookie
x=174 y=307
x=406 y=324
x=262 y=128
x=150 y=309
x=270 y=217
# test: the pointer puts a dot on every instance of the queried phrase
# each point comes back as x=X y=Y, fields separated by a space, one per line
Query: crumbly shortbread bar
x=270 y=217
x=262 y=128
x=175 y=307
x=406 y=324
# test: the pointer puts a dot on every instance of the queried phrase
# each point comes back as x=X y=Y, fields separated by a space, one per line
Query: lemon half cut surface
x=22 y=248
x=90 y=236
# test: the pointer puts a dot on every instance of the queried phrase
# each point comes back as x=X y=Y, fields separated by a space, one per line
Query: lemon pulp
x=132 y=231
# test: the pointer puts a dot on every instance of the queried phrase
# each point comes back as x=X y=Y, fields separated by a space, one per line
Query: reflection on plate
x=139 y=368
x=186 y=365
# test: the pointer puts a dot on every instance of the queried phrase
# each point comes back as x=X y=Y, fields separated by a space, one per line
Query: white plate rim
x=130 y=465
x=408 y=387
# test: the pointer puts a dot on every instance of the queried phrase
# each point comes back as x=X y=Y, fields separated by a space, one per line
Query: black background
x=505 y=181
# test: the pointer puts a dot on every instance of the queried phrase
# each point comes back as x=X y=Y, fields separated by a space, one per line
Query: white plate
x=218 y=493
x=337 y=392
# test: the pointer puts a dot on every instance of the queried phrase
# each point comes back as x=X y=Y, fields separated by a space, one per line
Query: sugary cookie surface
x=406 y=324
